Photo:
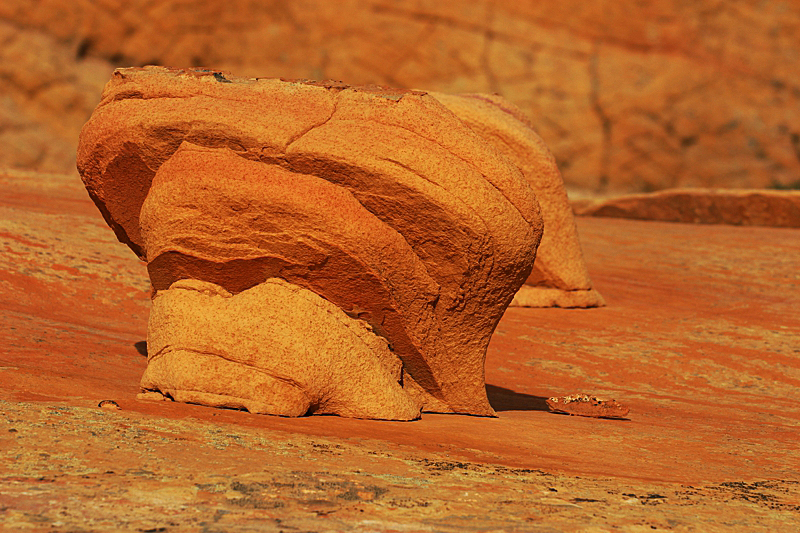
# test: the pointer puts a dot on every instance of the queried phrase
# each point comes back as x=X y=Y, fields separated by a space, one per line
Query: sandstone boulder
x=559 y=277
x=312 y=247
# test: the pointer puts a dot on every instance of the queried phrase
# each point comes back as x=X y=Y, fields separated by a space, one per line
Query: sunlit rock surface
x=380 y=203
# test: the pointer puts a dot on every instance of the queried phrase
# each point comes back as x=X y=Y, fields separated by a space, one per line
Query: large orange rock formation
x=312 y=247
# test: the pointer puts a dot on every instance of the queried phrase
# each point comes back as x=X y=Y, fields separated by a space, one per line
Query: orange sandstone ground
x=700 y=338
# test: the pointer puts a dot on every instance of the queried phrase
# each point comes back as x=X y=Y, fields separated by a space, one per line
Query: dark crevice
x=605 y=120
x=795 y=138
x=220 y=78
x=84 y=48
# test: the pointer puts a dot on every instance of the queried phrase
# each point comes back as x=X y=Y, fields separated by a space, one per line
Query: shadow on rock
x=141 y=347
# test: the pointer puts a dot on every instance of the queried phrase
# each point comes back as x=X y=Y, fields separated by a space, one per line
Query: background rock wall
x=630 y=96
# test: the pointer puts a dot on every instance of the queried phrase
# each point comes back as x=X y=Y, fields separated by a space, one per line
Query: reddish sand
x=700 y=338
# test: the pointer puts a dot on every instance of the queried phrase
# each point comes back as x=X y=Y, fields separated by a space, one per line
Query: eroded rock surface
x=559 y=277
x=699 y=340
x=275 y=348
x=371 y=213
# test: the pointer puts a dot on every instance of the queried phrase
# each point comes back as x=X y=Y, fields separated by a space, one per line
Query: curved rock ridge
x=312 y=247
x=559 y=277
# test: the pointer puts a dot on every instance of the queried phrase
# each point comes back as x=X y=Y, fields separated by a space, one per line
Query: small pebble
x=109 y=404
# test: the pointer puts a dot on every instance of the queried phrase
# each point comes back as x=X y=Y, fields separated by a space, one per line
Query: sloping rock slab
x=780 y=209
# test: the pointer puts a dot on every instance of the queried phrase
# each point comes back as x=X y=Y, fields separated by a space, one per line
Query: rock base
x=529 y=296
x=273 y=349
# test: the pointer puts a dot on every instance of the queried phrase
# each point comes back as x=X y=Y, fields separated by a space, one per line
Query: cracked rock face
x=312 y=247
x=559 y=277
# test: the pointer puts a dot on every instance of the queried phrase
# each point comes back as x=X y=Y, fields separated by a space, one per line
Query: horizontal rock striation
x=378 y=205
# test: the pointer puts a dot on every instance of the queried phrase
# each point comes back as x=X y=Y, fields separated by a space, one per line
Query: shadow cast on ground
x=502 y=399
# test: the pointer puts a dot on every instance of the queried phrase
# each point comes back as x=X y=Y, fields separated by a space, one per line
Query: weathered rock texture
x=45 y=98
x=292 y=229
x=738 y=207
x=559 y=277
x=631 y=97
x=699 y=339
